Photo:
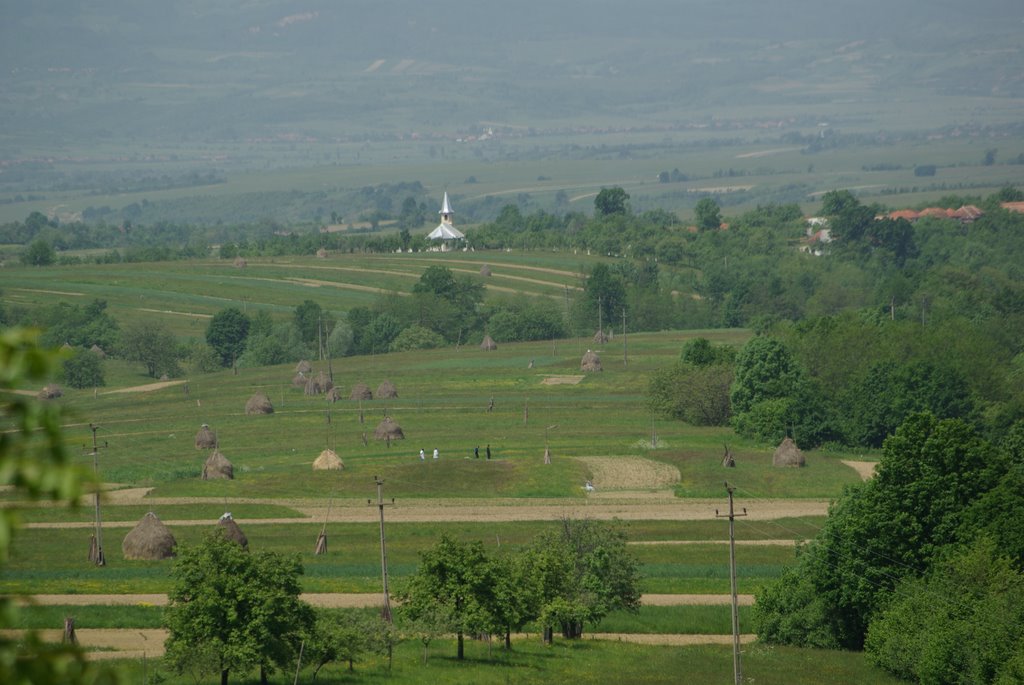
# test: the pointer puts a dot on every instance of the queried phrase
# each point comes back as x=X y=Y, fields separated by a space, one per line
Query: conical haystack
x=328 y=461
x=206 y=439
x=150 y=539
x=240 y=263
x=51 y=392
x=488 y=343
x=218 y=466
x=232 y=531
x=485 y=270
x=321 y=253
x=600 y=337
x=318 y=384
x=334 y=394
x=303 y=367
x=98 y=351
x=299 y=380
x=360 y=391
x=259 y=404
x=788 y=454
x=389 y=430
x=590 y=362
x=387 y=391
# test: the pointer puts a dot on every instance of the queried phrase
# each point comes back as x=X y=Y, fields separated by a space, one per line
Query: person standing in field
x=436 y=453
x=476 y=452
x=423 y=455
x=488 y=451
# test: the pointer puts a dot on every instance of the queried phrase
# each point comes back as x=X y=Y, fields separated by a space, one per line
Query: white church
x=445 y=231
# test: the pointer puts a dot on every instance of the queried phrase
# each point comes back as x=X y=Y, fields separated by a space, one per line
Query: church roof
x=446 y=208
x=446 y=232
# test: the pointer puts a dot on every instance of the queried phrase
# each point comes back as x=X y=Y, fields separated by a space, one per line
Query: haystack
x=334 y=394
x=318 y=384
x=299 y=380
x=488 y=343
x=788 y=454
x=206 y=439
x=590 y=362
x=303 y=367
x=66 y=347
x=387 y=391
x=600 y=337
x=389 y=430
x=232 y=531
x=328 y=461
x=321 y=253
x=51 y=392
x=485 y=270
x=258 y=404
x=240 y=263
x=218 y=466
x=165 y=378
x=149 y=540
x=360 y=391
x=98 y=351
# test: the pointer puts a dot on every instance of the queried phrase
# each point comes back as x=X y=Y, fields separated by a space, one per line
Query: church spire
x=446 y=210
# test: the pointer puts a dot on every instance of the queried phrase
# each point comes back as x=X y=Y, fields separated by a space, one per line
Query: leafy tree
x=525 y=319
x=960 y=624
x=241 y=607
x=446 y=304
x=603 y=291
x=281 y=344
x=698 y=395
x=39 y=253
x=82 y=369
x=154 y=346
x=584 y=571
x=836 y=202
x=346 y=635
x=878 y=533
x=765 y=370
x=341 y=340
x=79 y=326
x=611 y=201
x=701 y=352
x=378 y=336
x=35 y=462
x=707 y=214
x=453 y=579
x=227 y=332
x=416 y=337
x=312 y=322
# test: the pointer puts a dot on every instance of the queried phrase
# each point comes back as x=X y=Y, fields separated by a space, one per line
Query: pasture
x=662 y=480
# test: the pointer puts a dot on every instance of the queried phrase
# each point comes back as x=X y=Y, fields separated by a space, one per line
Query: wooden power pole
x=737 y=667
x=96 y=547
x=386 y=609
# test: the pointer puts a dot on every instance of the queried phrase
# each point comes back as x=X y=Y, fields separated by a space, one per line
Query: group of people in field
x=476 y=453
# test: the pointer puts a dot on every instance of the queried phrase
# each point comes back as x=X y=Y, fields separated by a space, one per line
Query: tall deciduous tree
x=707 y=214
x=233 y=610
x=227 y=332
x=456 y=580
x=611 y=201
x=152 y=345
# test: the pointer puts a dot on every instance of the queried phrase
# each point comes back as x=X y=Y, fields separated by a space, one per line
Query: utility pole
x=625 y=342
x=386 y=610
x=737 y=667
x=96 y=548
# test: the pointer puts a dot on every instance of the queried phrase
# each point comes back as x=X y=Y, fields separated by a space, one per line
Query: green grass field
x=148 y=436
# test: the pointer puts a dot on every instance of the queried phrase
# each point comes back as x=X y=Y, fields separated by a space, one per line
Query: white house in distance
x=445 y=232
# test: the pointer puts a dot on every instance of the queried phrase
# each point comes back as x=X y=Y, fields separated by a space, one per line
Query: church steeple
x=446 y=210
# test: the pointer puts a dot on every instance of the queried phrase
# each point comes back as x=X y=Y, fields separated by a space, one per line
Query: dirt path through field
x=136 y=643
x=148 y=387
x=655 y=508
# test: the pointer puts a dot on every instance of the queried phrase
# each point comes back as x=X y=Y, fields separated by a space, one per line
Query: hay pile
x=51 y=392
x=149 y=539
x=258 y=404
x=217 y=466
x=98 y=351
x=303 y=367
x=318 y=384
x=389 y=430
x=206 y=439
x=334 y=394
x=360 y=391
x=299 y=380
x=485 y=270
x=600 y=337
x=321 y=253
x=328 y=461
x=232 y=531
x=387 y=391
x=240 y=263
x=488 y=343
x=788 y=454
x=590 y=362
